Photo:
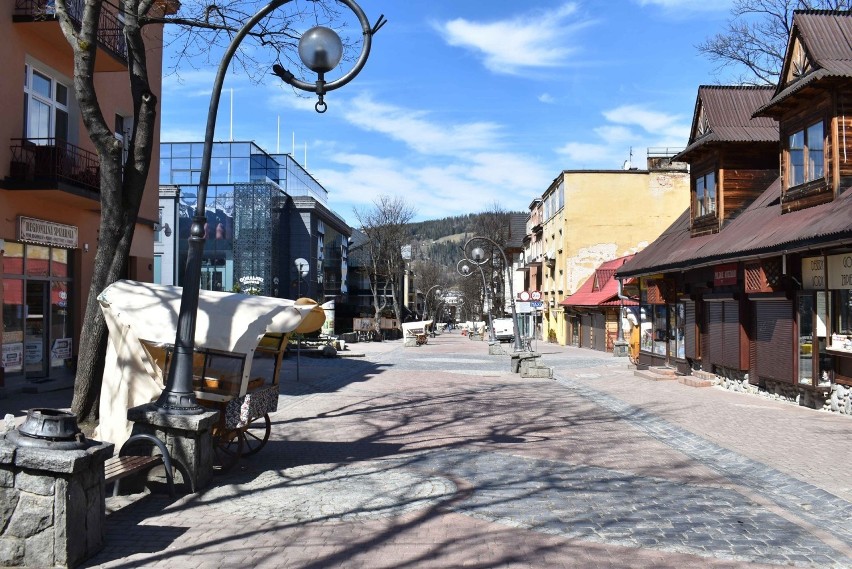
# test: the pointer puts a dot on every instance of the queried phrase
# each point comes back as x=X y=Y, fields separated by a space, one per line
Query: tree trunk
x=121 y=185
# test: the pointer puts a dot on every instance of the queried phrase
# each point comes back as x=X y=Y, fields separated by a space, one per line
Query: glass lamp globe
x=478 y=254
x=320 y=49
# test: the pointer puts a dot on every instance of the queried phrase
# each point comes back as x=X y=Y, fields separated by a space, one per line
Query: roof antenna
x=628 y=164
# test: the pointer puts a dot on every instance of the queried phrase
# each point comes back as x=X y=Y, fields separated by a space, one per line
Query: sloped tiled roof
x=517 y=230
x=760 y=229
x=600 y=289
x=827 y=37
x=728 y=111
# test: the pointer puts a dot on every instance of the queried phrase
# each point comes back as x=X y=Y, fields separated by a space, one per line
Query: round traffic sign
x=535 y=295
x=525 y=296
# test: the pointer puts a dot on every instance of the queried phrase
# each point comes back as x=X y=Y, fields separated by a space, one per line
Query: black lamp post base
x=176 y=403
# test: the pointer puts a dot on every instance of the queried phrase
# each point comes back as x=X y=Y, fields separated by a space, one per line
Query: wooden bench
x=122 y=466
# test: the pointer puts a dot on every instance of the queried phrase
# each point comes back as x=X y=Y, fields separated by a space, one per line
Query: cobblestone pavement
x=438 y=456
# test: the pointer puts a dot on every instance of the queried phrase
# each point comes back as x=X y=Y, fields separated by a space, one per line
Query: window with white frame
x=45 y=106
x=705 y=194
x=805 y=153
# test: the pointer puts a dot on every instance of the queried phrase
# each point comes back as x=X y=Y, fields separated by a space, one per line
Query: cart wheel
x=227 y=449
x=255 y=434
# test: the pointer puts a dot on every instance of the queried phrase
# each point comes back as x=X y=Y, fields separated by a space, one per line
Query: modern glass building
x=264 y=211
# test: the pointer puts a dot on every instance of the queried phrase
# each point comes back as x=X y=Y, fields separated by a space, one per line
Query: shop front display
x=37 y=320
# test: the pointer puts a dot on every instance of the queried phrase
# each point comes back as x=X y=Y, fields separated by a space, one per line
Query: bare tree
x=429 y=276
x=124 y=170
x=384 y=226
x=756 y=37
x=493 y=223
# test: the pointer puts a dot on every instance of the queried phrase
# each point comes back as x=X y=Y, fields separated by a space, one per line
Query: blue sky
x=468 y=103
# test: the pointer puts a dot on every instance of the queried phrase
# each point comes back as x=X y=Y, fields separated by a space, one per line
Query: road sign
x=536 y=303
x=525 y=296
x=535 y=295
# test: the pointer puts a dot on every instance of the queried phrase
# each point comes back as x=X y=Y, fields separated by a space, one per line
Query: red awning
x=600 y=289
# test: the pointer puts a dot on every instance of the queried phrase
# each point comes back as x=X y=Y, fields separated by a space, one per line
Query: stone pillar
x=187 y=437
x=52 y=504
x=620 y=348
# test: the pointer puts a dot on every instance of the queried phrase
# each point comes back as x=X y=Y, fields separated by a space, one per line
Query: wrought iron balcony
x=110 y=26
x=49 y=161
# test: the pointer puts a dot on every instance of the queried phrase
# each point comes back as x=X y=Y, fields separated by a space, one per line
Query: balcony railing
x=50 y=160
x=110 y=27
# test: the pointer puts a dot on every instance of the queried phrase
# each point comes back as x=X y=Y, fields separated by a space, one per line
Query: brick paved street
x=438 y=456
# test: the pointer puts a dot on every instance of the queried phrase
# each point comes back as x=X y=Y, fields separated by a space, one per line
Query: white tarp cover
x=414 y=328
x=136 y=311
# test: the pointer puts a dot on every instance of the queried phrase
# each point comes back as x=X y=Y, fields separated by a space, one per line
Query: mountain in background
x=441 y=240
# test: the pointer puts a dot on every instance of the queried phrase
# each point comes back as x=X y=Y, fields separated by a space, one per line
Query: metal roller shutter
x=774 y=340
x=714 y=338
x=731 y=333
x=689 y=329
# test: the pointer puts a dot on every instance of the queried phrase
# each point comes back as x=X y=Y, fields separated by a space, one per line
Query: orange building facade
x=49 y=186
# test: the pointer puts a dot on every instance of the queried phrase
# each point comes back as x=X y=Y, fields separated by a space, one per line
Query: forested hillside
x=440 y=240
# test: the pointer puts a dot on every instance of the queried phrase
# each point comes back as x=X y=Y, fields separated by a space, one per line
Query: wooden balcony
x=110 y=28
x=49 y=163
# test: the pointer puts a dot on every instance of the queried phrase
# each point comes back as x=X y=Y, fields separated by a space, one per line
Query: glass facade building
x=263 y=212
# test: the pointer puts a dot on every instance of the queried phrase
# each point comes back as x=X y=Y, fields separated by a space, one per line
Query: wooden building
x=754 y=281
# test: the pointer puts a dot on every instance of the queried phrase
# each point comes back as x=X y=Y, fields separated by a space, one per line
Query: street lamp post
x=302 y=270
x=463 y=268
x=426 y=300
x=477 y=254
x=320 y=50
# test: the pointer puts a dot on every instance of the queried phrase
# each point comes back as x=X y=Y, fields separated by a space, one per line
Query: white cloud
x=195 y=83
x=652 y=122
x=446 y=168
x=692 y=5
x=439 y=187
x=615 y=134
x=586 y=154
x=547 y=98
x=538 y=39
x=628 y=126
x=415 y=130
x=180 y=134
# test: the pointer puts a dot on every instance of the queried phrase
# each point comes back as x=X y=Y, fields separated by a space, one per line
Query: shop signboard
x=47 y=232
x=813 y=273
x=725 y=275
x=839 y=271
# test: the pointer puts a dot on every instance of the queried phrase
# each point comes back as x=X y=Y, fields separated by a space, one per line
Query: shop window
x=14 y=315
x=38 y=261
x=677 y=318
x=814 y=361
x=13 y=259
x=652 y=324
x=841 y=337
x=58 y=262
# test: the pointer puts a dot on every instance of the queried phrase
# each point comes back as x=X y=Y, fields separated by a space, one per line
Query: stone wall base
x=834 y=398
